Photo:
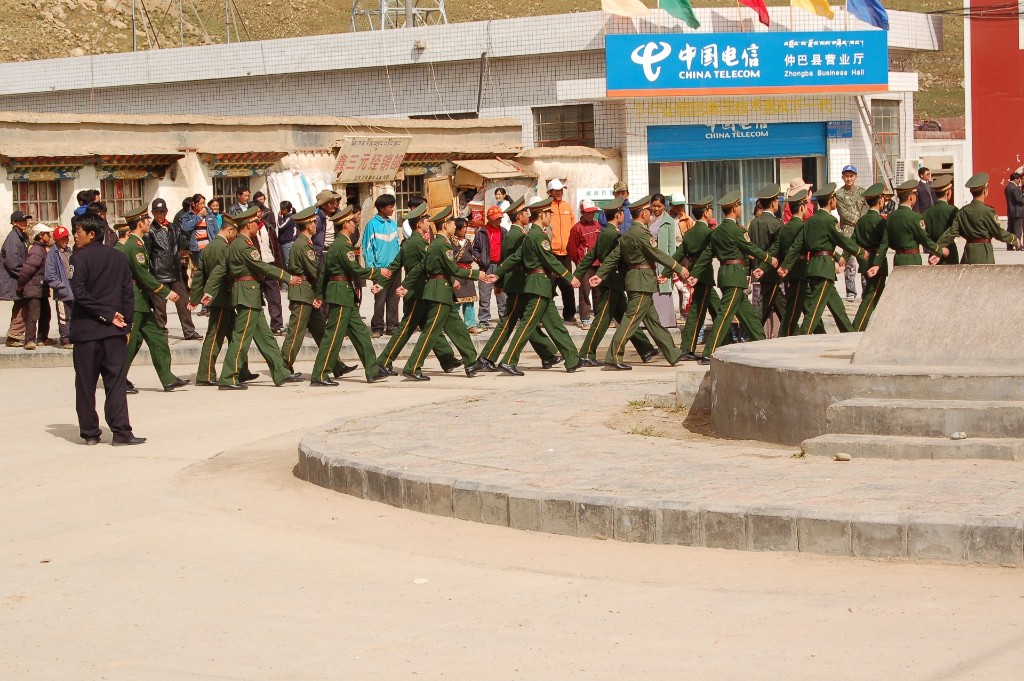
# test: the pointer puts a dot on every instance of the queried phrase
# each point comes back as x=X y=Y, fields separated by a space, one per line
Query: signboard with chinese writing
x=595 y=194
x=720 y=142
x=370 y=159
x=840 y=130
x=690 y=64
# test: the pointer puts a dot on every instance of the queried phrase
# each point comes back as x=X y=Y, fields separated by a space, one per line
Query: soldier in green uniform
x=303 y=305
x=731 y=245
x=796 y=278
x=905 y=230
x=763 y=231
x=704 y=298
x=540 y=266
x=939 y=217
x=336 y=286
x=144 y=326
x=241 y=272
x=870 y=234
x=819 y=239
x=612 y=291
x=637 y=252
x=515 y=301
x=977 y=224
x=438 y=268
x=410 y=255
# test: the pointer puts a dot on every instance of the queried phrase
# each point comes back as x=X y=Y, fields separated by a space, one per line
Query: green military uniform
x=906 y=231
x=819 y=239
x=304 y=263
x=515 y=302
x=144 y=326
x=870 y=234
x=763 y=231
x=438 y=268
x=410 y=255
x=637 y=252
x=222 y=313
x=241 y=271
x=336 y=287
x=796 y=278
x=704 y=298
x=612 y=303
x=938 y=219
x=540 y=267
x=977 y=224
x=731 y=245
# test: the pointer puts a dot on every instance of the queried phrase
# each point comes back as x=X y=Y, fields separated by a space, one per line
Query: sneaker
x=376 y=334
x=585 y=324
x=14 y=342
x=30 y=346
x=851 y=297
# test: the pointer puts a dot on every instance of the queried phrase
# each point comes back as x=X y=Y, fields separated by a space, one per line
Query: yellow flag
x=820 y=7
x=626 y=8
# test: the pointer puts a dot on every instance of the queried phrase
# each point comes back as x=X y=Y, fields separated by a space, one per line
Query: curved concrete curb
x=946 y=537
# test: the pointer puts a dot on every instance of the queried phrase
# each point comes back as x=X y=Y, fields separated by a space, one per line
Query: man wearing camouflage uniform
x=851 y=206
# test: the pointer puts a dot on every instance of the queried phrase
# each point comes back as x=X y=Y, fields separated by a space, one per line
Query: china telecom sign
x=676 y=64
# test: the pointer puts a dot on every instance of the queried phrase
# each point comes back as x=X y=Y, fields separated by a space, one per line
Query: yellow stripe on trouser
x=728 y=313
x=423 y=350
x=216 y=332
x=520 y=340
x=817 y=312
x=300 y=331
x=330 y=348
x=605 y=304
x=794 y=307
x=629 y=327
x=238 y=353
x=495 y=342
x=702 y=310
x=864 y=319
x=386 y=359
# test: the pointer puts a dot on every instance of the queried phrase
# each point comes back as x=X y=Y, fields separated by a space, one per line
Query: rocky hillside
x=43 y=29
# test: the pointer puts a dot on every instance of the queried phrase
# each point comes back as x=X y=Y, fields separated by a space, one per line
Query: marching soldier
x=905 y=230
x=336 y=286
x=820 y=238
x=763 y=231
x=515 y=302
x=541 y=267
x=144 y=326
x=731 y=245
x=977 y=224
x=939 y=217
x=303 y=304
x=438 y=267
x=704 y=298
x=410 y=256
x=241 y=271
x=870 y=234
x=638 y=252
x=796 y=276
x=612 y=303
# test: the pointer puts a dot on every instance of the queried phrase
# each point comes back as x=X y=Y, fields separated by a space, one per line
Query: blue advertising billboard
x=725 y=141
x=693 y=64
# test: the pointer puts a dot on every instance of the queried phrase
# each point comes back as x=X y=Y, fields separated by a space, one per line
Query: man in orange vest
x=562 y=221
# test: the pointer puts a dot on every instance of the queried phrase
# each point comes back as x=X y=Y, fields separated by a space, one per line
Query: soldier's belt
x=908 y=251
x=341 y=278
x=438 y=276
x=814 y=254
x=245 y=278
x=979 y=241
x=645 y=266
x=734 y=262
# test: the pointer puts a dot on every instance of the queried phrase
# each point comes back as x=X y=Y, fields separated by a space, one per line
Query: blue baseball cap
x=850 y=169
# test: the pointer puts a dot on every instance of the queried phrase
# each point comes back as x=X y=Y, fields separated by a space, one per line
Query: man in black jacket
x=100 y=320
x=487 y=254
x=163 y=243
x=1014 y=209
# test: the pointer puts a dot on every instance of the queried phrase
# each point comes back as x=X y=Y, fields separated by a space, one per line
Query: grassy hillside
x=42 y=29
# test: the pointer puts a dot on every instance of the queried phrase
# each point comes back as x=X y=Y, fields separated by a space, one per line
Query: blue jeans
x=468 y=312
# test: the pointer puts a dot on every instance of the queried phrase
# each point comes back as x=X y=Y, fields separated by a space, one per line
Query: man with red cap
x=582 y=238
x=487 y=255
x=58 y=260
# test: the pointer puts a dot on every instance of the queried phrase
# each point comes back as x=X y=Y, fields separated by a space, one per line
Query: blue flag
x=869 y=11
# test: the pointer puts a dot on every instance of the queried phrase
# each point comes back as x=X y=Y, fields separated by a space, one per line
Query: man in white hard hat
x=562 y=221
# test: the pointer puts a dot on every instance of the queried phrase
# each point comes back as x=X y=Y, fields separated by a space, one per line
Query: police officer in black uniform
x=100 y=322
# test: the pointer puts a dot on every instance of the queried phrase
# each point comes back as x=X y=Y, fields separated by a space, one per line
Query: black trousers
x=385 y=306
x=188 y=328
x=272 y=294
x=105 y=357
x=566 y=291
x=1015 y=226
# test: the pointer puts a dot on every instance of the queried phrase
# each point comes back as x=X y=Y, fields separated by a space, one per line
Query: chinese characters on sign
x=840 y=129
x=733 y=107
x=370 y=159
x=746 y=63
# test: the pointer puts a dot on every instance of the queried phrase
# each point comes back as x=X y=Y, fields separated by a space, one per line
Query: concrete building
x=463 y=92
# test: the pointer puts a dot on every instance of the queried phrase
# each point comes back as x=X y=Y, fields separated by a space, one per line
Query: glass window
x=718 y=177
x=410 y=186
x=885 y=118
x=41 y=200
x=225 y=190
x=121 y=196
x=564 y=125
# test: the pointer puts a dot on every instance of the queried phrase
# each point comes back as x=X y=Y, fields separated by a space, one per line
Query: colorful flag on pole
x=820 y=7
x=682 y=10
x=759 y=7
x=870 y=12
x=625 y=8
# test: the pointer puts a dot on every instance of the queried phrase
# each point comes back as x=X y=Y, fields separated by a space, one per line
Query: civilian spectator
x=266 y=241
x=1014 y=209
x=465 y=291
x=84 y=198
x=487 y=255
x=851 y=206
x=260 y=199
x=32 y=285
x=380 y=247
x=412 y=204
x=795 y=185
x=582 y=238
x=925 y=194
x=620 y=190
x=241 y=203
x=186 y=206
x=664 y=228
x=562 y=221
x=110 y=236
x=214 y=219
x=193 y=224
x=503 y=202
x=327 y=203
x=12 y=257
x=165 y=263
x=286 y=230
x=56 y=275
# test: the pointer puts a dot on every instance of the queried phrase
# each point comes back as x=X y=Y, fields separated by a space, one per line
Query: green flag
x=680 y=9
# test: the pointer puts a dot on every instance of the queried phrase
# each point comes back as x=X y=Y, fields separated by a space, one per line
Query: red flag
x=759 y=7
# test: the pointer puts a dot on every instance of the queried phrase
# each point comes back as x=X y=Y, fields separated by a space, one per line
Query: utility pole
x=135 y=44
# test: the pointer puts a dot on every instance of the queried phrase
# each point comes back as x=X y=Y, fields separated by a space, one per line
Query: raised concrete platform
x=568 y=472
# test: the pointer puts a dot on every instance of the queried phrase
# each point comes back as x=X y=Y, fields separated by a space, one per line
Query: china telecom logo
x=649 y=54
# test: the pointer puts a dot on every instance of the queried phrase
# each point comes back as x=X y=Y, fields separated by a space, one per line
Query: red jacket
x=582 y=238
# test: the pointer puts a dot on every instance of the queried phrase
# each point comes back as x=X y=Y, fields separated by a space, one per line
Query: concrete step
x=861 y=446
x=926 y=418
